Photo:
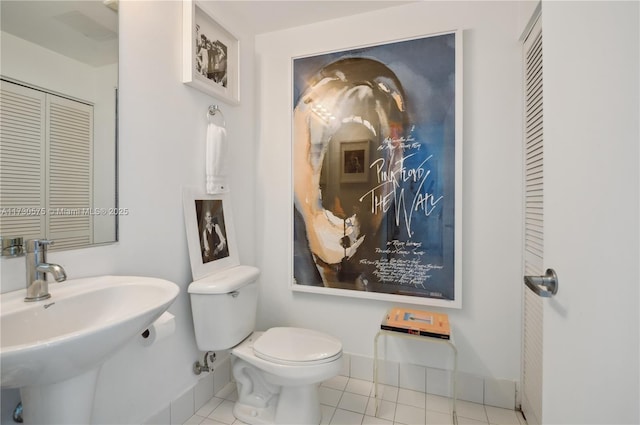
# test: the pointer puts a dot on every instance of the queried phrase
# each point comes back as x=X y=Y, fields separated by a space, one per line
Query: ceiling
x=268 y=16
x=87 y=31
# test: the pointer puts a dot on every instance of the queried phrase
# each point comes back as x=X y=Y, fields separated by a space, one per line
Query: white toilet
x=277 y=372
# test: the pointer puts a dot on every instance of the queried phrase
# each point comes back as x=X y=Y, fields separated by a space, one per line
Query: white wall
x=162 y=129
x=487 y=328
x=24 y=61
x=162 y=145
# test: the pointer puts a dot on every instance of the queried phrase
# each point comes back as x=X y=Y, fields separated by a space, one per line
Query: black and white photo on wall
x=211 y=57
x=210 y=54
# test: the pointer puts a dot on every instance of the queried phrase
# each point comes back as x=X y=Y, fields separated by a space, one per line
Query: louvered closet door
x=69 y=152
x=22 y=159
x=534 y=227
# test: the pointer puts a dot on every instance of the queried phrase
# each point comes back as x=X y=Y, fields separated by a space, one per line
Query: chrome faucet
x=37 y=269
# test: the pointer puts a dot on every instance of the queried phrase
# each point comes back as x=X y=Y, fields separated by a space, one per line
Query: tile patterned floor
x=349 y=401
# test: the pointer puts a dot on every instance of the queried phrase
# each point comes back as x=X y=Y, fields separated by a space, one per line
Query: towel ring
x=212 y=111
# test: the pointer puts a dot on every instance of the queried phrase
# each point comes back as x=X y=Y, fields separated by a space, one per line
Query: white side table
x=448 y=342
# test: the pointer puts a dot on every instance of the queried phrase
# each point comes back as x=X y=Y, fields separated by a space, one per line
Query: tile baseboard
x=473 y=388
x=477 y=389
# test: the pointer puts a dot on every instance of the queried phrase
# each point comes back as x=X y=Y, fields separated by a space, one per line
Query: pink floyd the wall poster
x=377 y=154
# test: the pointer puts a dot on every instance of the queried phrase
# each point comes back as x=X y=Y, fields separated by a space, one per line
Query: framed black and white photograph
x=210 y=54
x=210 y=232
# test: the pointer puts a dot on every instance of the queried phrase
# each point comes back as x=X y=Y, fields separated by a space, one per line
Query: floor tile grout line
x=230 y=394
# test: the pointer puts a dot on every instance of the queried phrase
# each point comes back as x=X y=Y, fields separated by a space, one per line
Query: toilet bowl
x=277 y=371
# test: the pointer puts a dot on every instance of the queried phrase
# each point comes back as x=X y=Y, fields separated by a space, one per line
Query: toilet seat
x=296 y=346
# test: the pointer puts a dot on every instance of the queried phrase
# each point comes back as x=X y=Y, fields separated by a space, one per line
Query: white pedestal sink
x=53 y=349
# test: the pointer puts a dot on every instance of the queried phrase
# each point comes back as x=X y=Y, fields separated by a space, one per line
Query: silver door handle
x=544 y=286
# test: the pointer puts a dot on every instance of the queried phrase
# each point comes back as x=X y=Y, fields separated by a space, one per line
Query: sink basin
x=53 y=349
x=83 y=323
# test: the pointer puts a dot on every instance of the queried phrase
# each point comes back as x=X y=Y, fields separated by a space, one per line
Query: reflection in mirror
x=58 y=135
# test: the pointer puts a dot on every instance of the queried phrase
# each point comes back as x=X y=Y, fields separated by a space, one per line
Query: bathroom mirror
x=65 y=54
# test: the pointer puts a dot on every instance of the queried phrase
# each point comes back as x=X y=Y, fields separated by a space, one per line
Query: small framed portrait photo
x=210 y=232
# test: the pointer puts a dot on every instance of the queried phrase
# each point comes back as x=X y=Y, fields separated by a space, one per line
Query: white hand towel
x=216 y=169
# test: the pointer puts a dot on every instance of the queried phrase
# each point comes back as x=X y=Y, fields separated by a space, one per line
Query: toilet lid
x=296 y=345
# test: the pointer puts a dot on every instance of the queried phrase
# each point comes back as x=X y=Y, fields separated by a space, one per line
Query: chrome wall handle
x=544 y=286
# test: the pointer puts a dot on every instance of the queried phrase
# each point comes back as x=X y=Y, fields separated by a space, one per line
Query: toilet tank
x=224 y=307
